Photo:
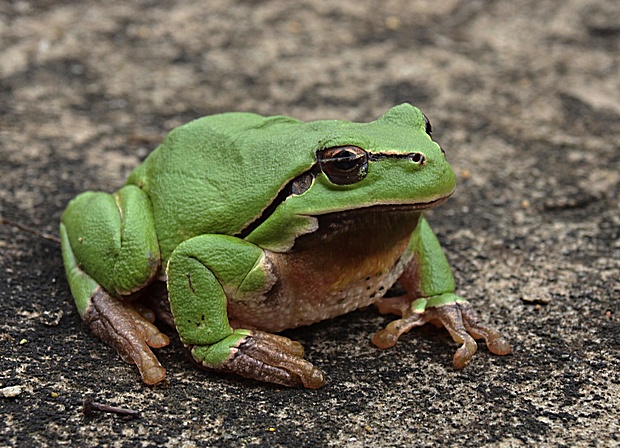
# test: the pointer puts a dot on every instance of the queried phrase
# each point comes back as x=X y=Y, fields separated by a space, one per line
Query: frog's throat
x=366 y=230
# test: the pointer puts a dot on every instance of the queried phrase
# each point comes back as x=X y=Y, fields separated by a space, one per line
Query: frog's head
x=391 y=161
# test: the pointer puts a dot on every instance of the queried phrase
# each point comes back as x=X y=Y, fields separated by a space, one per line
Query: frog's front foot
x=132 y=335
x=447 y=310
x=261 y=356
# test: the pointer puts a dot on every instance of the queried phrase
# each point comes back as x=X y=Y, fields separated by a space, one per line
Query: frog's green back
x=212 y=175
x=218 y=173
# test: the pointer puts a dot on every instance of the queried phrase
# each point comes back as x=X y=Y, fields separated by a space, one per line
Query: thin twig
x=36 y=232
x=90 y=406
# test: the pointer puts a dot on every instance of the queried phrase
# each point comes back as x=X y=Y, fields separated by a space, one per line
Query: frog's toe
x=131 y=334
x=266 y=357
x=449 y=316
x=277 y=359
x=153 y=374
x=463 y=324
x=496 y=342
x=388 y=337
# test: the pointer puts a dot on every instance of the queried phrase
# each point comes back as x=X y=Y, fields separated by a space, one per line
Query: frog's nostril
x=418 y=158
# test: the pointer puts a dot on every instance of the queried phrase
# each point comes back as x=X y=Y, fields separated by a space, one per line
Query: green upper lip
x=389 y=207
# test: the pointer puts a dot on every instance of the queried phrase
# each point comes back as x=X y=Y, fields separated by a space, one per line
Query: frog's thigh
x=111 y=239
x=201 y=271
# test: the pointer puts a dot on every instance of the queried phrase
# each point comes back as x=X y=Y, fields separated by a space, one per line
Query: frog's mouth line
x=387 y=208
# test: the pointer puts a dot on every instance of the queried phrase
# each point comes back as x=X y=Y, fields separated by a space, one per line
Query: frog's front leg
x=430 y=298
x=202 y=272
x=110 y=250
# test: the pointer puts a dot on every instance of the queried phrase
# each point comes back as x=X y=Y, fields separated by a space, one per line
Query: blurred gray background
x=525 y=98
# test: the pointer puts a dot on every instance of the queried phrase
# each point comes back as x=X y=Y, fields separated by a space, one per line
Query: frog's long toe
x=463 y=324
x=388 y=337
x=496 y=342
x=130 y=333
x=450 y=317
x=271 y=358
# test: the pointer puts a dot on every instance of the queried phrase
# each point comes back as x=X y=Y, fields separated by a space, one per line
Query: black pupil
x=343 y=165
x=345 y=160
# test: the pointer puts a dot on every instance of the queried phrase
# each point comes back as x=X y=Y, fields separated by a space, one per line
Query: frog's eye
x=427 y=126
x=343 y=165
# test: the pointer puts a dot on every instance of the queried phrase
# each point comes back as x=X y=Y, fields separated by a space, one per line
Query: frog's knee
x=112 y=238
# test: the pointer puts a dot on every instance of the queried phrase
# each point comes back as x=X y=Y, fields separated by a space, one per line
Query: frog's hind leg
x=110 y=250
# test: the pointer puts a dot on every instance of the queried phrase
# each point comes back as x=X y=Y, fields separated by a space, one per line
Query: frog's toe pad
x=118 y=324
x=499 y=346
x=388 y=337
x=274 y=359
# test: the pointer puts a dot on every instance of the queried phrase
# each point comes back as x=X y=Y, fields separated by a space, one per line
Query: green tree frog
x=259 y=224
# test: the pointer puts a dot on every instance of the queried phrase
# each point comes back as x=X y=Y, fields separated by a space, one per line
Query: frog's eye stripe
x=346 y=165
x=415 y=157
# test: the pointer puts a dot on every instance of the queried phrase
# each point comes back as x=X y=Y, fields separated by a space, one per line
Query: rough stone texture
x=525 y=98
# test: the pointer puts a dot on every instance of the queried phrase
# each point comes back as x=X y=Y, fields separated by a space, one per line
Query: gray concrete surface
x=525 y=98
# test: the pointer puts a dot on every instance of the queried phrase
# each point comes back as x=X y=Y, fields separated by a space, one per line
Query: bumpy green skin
x=183 y=207
x=436 y=283
x=214 y=175
x=114 y=239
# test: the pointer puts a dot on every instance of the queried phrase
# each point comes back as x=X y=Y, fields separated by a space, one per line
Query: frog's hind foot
x=261 y=356
x=130 y=332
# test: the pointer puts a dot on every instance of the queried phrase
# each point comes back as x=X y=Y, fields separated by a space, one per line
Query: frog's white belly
x=308 y=293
